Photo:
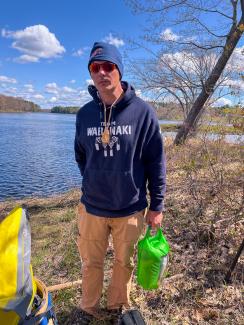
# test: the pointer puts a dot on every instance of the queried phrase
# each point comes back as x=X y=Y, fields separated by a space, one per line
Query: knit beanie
x=106 y=52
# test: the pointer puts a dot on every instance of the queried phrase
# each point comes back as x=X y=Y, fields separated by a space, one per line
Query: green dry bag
x=152 y=259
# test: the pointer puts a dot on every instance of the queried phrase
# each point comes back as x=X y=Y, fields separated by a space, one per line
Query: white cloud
x=38 y=97
x=235 y=84
x=8 y=80
x=25 y=58
x=191 y=64
x=72 y=81
x=236 y=62
x=48 y=96
x=182 y=60
x=113 y=40
x=29 y=88
x=89 y=82
x=138 y=92
x=35 y=42
x=85 y=96
x=79 y=52
x=188 y=62
x=11 y=90
x=66 y=96
x=222 y=102
x=53 y=99
x=69 y=90
x=52 y=88
x=143 y=95
x=168 y=35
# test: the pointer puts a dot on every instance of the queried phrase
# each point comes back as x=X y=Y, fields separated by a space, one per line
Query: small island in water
x=65 y=109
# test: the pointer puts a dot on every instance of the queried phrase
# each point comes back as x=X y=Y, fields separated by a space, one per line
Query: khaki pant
x=92 y=242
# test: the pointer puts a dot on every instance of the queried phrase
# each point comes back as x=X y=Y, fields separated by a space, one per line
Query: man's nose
x=101 y=71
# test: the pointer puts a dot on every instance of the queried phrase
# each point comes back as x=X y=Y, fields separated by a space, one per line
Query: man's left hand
x=154 y=218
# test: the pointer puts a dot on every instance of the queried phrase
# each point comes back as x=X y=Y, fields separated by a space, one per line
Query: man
x=119 y=151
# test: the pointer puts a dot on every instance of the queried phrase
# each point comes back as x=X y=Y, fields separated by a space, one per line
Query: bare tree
x=207 y=25
x=177 y=77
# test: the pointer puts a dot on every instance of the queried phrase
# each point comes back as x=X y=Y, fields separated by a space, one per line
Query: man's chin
x=105 y=87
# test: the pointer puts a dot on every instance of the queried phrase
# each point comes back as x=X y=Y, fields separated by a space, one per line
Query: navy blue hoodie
x=116 y=176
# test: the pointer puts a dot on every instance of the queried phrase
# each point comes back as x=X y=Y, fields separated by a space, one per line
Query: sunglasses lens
x=94 y=67
x=106 y=66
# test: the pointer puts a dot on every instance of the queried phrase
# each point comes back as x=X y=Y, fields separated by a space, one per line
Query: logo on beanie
x=97 y=51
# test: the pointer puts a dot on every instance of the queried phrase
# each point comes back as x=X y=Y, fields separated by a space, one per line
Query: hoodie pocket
x=109 y=190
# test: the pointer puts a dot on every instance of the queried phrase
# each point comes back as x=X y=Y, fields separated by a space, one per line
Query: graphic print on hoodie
x=115 y=175
x=115 y=132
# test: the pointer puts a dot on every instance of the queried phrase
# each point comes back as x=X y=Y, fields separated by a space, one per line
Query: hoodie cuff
x=157 y=206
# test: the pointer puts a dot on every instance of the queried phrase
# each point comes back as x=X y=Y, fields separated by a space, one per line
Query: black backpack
x=132 y=317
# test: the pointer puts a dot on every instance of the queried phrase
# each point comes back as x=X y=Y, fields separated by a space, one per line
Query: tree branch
x=202 y=47
x=208 y=30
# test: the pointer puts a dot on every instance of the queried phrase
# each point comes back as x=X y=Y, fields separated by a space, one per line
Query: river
x=37 y=156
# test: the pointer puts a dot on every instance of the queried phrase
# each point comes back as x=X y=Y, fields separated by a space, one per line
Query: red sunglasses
x=95 y=67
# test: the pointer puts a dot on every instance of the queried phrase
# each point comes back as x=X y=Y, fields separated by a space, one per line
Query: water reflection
x=36 y=154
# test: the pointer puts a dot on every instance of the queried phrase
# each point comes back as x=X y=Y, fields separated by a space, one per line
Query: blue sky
x=67 y=30
x=45 y=45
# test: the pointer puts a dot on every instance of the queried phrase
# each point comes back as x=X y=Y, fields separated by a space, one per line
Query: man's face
x=105 y=81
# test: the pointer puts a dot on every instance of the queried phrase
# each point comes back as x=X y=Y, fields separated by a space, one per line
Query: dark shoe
x=94 y=313
x=115 y=315
x=85 y=318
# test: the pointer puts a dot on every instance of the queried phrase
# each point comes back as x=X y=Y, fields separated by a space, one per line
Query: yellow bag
x=17 y=285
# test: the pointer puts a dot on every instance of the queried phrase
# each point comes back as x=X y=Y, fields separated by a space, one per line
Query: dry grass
x=203 y=223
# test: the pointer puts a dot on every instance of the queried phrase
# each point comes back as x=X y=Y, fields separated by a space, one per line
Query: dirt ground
x=203 y=223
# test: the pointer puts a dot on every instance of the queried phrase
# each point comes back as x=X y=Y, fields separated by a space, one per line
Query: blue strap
x=34 y=319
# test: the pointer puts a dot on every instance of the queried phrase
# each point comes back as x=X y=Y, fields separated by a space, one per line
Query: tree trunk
x=191 y=119
x=231 y=269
